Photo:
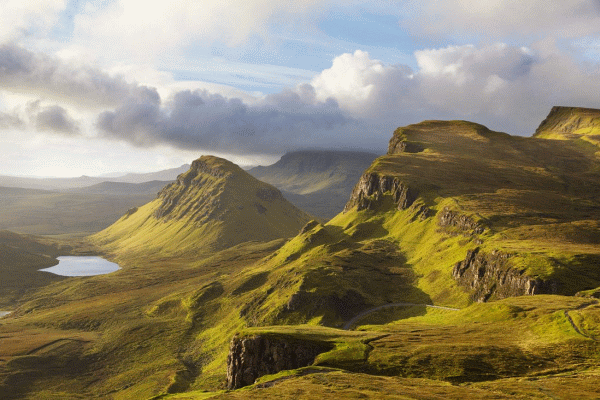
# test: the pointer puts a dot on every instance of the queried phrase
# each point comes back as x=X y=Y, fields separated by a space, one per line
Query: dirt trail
x=575 y=327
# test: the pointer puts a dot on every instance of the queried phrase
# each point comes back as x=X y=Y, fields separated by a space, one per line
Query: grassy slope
x=163 y=323
x=449 y=354
x=214 y=205
x=581 y=125
x=538 y=201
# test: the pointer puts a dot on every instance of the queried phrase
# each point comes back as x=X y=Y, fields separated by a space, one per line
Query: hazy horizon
x=92 y=89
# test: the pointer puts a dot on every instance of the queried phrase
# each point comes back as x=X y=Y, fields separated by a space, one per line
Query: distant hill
x=47 y=212
x=164 y=175
x=84 y=181
x=318 y=182
x=214 y=205
x=123 y=188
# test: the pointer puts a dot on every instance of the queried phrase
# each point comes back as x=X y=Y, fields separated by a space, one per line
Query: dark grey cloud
x=23 y=71
x=53 y=119
x=200 y=120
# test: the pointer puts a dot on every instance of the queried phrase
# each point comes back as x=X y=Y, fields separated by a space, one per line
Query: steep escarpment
x=214 y=205
x=369 y=191
x=533 y=199
x=491 y=276
x=252 y=357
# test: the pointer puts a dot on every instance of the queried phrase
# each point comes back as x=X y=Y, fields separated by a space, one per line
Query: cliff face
x=490 y=276
x=252 y=357
x=369 y=191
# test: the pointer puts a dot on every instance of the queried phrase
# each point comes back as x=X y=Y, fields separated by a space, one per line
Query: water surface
x=82 y=266
x=4 y=313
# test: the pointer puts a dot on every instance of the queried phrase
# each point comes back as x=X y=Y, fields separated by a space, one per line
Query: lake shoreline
x=73 y=266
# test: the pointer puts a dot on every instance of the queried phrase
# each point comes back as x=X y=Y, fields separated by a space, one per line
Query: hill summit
x=571 y=123
x=214 y=205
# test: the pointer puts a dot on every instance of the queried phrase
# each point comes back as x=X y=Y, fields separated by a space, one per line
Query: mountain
x=318 y=182
x=85 y=181
x=571 y=123
x=214 y=205
x=123 y=188
x=464 y=264
x=453 y=213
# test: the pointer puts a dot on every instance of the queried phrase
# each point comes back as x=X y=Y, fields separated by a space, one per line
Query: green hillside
x=214 y=205
x=317 y=181
x=502 y=231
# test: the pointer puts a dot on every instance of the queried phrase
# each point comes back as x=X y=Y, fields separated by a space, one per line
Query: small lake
x=4 y=313
x=82 y=266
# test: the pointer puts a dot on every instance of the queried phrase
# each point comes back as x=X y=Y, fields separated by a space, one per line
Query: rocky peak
x=208 y=180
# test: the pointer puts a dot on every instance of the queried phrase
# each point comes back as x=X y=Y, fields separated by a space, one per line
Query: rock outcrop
x=371 y=188
x=252 y=357
x=490 y=276
x=465 y=224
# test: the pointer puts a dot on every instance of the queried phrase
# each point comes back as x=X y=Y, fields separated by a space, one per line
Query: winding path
x=358 y=317
x=575 y=327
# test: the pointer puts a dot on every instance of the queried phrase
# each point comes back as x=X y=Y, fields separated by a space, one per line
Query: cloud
x=10 y=120
x=24 y=18
x=365 y=87
x=506 y=87
x=148 y=29
x=200 y=120
x=52 y=119
x=503 y=18
x=23 y=71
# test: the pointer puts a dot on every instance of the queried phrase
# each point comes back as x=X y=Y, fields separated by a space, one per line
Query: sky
x=106 y=86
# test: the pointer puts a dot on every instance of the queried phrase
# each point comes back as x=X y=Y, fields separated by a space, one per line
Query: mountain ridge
x=455 y=215
x=215 y=203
